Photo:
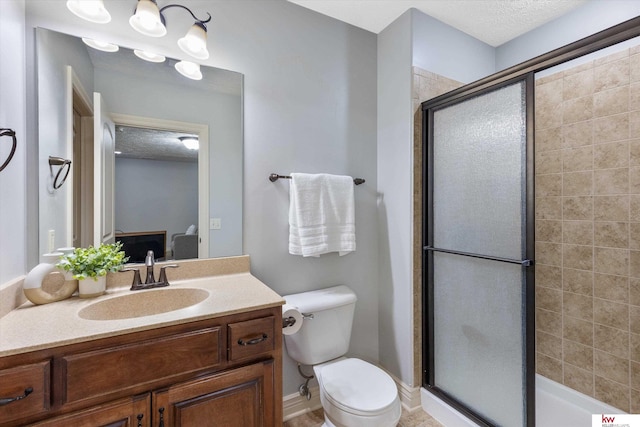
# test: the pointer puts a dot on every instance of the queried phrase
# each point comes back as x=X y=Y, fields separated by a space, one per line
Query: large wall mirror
x=125 y=124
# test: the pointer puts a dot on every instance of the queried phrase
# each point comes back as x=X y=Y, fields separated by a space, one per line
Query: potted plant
x=91 y=265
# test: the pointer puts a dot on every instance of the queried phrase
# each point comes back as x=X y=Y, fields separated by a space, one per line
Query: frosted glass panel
x=478 y=335
x=479 y=150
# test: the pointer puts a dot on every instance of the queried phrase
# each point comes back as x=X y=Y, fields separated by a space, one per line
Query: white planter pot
x=89 y=288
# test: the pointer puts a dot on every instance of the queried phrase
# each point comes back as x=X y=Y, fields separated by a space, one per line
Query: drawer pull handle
x=253 y=341
x=161 y=410
x=139 y=417
x=7 y=400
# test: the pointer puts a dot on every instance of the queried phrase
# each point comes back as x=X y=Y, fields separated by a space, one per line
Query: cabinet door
x=239 y=397
x=129 y=412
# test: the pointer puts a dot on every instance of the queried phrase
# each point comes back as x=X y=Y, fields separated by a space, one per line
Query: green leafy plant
x=93 y=261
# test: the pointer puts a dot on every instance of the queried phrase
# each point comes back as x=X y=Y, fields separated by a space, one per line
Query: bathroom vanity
x=220 y=359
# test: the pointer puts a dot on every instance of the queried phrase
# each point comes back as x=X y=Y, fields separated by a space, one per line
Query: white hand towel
x=321 y=214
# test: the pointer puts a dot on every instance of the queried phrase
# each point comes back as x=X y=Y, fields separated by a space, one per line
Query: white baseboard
x=443 y=412
x=294 y=405
x=409 y=396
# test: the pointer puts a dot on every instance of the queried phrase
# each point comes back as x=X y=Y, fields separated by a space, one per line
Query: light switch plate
x=52 y=241
x=215 y=223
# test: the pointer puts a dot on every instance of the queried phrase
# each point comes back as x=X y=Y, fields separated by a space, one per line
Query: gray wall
x=310 y=106
x=395 y=178
x=441 y=49
x=13 y=183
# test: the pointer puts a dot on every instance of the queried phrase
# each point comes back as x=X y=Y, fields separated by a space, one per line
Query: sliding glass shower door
x=478 y=243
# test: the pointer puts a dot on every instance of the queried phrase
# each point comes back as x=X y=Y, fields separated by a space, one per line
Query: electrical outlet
x=52 y=241
x=215 y=223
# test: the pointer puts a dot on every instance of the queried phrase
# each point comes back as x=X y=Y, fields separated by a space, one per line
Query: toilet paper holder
x=290 y=321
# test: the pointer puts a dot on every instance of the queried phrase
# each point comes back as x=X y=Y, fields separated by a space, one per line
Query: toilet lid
x=357 y=386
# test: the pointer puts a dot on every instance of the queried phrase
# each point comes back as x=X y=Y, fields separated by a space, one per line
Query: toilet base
x=327 y=422
x=380 y=423
x=336 y=417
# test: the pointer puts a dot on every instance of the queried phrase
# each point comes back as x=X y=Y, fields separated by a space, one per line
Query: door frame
x=80 y=206
x=603 y=39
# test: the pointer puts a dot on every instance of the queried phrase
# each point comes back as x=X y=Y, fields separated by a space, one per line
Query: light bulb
x=189 y=70
x=100 y=45
x=149 y=56
x=146 y=20
x=90 y=10
x=190 y=142
x=194 y=42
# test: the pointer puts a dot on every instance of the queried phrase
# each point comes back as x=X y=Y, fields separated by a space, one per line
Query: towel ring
x=12 y=134
x=65 y=165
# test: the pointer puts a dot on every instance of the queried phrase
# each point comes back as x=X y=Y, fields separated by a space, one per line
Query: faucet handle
x=163 y=273
x=136 y=277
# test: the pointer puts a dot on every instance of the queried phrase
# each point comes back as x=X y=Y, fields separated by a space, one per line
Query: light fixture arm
x=200 y=21
x=150 y=21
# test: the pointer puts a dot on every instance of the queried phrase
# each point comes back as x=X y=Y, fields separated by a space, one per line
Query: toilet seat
x=357 y=387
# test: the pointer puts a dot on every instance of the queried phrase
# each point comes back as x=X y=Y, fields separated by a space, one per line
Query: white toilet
x=352 y=391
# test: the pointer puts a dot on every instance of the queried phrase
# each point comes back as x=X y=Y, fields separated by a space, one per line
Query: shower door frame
x=526 y=70
x=527 y=230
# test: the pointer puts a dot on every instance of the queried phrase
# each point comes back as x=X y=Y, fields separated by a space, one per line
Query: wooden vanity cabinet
x=225 y=371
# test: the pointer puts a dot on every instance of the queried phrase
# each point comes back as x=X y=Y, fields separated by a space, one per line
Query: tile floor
x=416 y=418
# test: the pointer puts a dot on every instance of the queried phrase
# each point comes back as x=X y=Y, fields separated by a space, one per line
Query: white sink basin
x=143 y=303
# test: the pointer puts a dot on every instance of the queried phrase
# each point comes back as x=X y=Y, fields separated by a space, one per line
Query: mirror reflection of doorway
x=82 y=176
x=156 y=192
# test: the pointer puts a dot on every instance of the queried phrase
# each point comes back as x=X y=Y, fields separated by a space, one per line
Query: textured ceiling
x=492 y=21
x=152 y=144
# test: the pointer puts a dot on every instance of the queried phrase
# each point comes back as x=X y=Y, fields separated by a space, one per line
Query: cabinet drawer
x=251 y=338
x=148 y=363
x=15 y=381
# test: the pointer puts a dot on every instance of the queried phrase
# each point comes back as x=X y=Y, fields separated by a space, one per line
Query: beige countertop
x=29 y=327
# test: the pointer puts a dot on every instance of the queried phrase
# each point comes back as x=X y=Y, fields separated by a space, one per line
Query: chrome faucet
x=150 y=281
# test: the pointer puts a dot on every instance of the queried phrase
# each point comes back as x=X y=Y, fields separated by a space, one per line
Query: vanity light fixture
x=91 y=10
x=191 y=142
x=148 y=56
x=149 y=20
x=194 y=42
x=189 y=69
x=100 y=45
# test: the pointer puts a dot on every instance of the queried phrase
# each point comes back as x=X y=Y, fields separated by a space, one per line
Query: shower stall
x=531 y=235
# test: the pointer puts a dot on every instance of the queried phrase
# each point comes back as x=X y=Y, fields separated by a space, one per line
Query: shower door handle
x=522 y=262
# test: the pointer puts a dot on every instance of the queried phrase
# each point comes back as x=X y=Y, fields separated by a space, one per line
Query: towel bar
x=274 y=177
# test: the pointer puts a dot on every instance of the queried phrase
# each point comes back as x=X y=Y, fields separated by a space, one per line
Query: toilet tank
x=326 y=336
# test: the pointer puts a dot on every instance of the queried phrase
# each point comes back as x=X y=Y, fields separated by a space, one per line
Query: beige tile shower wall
x=588 y=228
x=426 y=85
